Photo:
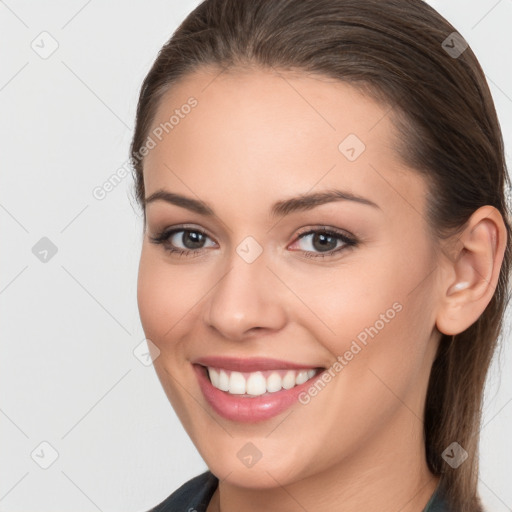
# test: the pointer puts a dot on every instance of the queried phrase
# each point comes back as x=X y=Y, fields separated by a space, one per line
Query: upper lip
x=240 y=364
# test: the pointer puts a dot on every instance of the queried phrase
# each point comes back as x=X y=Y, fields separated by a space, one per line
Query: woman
x=326 y=253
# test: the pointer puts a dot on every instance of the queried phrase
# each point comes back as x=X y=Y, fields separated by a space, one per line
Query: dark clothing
x=194 y=496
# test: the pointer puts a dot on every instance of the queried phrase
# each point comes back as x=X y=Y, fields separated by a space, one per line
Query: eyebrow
x=303 y=202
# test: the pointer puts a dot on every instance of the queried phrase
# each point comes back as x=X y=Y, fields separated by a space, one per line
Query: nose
x=248 y=300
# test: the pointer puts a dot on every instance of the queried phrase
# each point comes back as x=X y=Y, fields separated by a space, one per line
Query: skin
x=257 y=137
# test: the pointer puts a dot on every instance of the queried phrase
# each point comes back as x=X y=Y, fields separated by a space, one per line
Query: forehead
x=273 y=133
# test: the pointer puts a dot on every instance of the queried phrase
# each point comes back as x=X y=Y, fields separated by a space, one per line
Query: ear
x=470 y=277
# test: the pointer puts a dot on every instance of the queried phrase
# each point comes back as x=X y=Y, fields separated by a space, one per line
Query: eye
x=324 y=242
x=314 y=243
x=182 y=241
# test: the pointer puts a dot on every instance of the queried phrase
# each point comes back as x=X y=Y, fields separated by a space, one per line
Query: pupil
x=326 y=242
x=195 y=238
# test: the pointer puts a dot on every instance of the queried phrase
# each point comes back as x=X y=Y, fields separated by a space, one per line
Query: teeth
x=223 y=381
x=258 y=383
x=289 y=379
x=214 y=377
x=302 y=377
x=274 y=382
x=236 y=383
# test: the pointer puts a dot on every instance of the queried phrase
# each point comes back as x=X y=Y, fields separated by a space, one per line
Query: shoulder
x=192 y=496
x=438 y=502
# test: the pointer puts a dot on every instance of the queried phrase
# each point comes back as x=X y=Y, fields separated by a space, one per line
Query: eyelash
x=163 y=237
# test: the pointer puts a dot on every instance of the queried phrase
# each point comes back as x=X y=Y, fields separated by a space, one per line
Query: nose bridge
x=246 y=297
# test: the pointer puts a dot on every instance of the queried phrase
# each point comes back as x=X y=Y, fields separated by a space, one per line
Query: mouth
x=258 y=383
x=252 y=390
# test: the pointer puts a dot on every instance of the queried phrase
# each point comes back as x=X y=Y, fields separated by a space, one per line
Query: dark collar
x=195 y=495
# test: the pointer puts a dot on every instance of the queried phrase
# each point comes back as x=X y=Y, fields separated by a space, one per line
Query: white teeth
x=236 y=383
x=274 y=382
x=289 y=380
x=256 y=384
x=302 y=377
x=223 y=381
x=214 y=376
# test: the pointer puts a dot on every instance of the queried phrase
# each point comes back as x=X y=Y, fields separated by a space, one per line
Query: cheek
x=371 y=310
x=166 y=296
x=342 y=303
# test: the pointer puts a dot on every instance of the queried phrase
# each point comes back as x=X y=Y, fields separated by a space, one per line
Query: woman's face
x=270 y=285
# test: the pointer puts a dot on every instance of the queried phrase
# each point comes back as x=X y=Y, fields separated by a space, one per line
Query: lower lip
x=248 y=409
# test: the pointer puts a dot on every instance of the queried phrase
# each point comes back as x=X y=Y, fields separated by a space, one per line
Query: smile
x=252 y=390
x=258 y=383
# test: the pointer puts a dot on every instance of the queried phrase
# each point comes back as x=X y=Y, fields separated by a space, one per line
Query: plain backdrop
x=76 y=395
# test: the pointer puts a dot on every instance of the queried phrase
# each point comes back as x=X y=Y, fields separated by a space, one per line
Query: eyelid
x=323 y=227
x=171 y=230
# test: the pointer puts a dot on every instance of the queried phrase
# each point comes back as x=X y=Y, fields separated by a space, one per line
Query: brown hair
x=442 y=107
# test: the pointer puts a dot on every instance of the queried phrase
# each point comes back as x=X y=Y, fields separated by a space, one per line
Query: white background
x=68 y=375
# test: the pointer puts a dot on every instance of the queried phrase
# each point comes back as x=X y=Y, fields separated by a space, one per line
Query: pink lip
x=246 y=409
x=253 y=364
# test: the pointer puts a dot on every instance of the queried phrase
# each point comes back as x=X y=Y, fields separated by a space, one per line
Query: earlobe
x=476 y=268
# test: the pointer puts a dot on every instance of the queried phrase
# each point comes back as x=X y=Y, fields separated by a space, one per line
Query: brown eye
x=189 y=239
x=323 y=243
x=183 y=241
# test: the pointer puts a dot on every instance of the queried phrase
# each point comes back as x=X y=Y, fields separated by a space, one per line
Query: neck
x=374 y=479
